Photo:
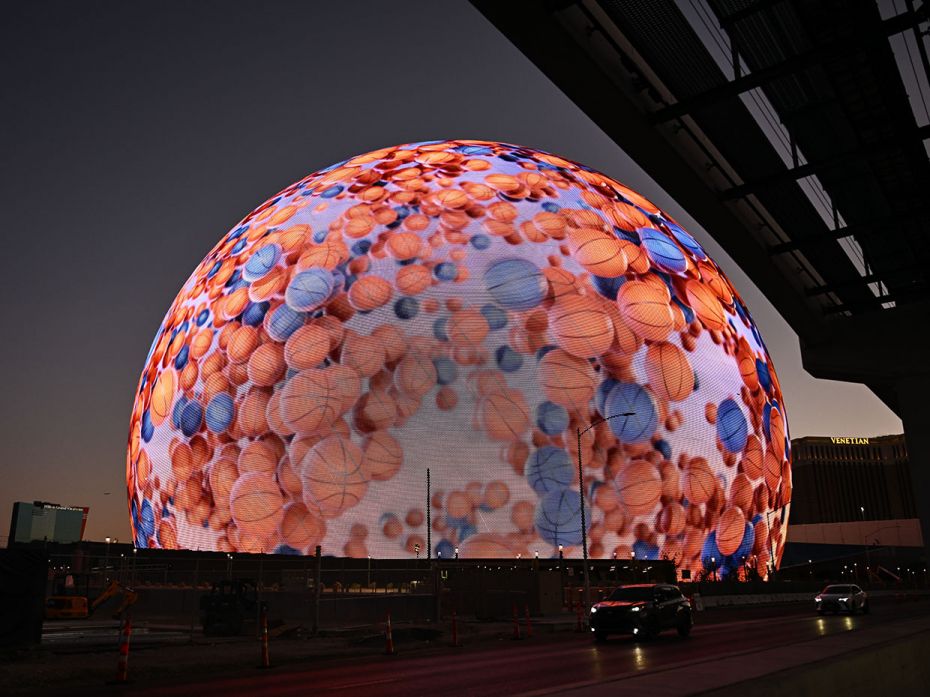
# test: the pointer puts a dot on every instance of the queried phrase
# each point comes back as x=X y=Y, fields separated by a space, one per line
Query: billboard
x=467 y=307
x=40 y=521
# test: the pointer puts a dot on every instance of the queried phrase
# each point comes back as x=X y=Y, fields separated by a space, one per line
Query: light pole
x=106 y=564
x=584 y=532
x=865 y=541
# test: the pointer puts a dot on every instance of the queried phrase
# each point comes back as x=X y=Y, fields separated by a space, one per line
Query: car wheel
x=865 y=608
x=600 y=637
x=820 y=612
x=684 y=629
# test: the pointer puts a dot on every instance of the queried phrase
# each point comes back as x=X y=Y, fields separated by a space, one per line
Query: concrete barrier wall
x=182 y=606
x=900 y=668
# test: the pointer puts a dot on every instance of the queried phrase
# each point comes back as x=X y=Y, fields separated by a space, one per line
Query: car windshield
x=633 y=594
x=838 y=590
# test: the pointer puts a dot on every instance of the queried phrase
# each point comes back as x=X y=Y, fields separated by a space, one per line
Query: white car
x=842 y=597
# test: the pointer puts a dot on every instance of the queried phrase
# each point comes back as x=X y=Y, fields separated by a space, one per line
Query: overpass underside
x=795 y=132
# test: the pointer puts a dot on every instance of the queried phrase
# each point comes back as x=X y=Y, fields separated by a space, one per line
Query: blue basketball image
x=309 y=289
x=220 y=412
x=662 y=251
x=686 y=240
x=632 y=413
x=517 y=284
x=558 y=518
x=551 y=418
x=549 y=469
x=732 y=428
x=191 y=418
x=283 y=322
x=261 y=263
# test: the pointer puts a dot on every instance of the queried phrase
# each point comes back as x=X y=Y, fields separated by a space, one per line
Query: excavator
x=77 y=606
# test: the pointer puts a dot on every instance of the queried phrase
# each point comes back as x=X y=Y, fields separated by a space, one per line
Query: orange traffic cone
x=389 y=648
x=122 y=663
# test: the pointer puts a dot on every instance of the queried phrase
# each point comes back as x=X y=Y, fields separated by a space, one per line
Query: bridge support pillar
x=914 y=410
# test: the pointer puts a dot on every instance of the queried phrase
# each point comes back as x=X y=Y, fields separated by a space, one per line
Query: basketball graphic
x=468 y=307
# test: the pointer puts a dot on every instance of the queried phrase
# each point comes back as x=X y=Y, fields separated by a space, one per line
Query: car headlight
x=636 y=608
x=594 y=609
x=818 y=599
x=844 y=600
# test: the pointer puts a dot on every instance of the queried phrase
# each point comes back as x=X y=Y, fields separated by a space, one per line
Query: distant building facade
x=41 y=521
x=850 y=492
x=834 y=476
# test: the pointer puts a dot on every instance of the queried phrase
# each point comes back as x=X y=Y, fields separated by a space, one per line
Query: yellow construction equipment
x=78 y=607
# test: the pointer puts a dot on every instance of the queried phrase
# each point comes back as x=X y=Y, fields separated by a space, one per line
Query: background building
x=41 y=521
x=851 y=493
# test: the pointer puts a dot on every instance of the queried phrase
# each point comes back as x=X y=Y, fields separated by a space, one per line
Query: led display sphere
x=468 y=307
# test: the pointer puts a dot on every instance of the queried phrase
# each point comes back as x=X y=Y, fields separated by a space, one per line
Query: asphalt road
x=539 y=665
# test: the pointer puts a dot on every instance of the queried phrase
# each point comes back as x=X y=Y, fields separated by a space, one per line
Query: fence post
x=317 y=574
x=196 y=599
x=266 y=660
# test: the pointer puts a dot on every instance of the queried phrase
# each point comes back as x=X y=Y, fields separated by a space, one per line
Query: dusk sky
x=136 y=134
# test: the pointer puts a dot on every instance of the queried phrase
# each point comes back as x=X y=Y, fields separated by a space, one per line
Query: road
x=539 y=665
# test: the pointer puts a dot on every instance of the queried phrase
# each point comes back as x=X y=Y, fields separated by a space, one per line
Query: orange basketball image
x=505 y=415
x=751 y=464
x=730 y=530
x=383 y=456
x=698 y=482
x=266 y=365
x=580 y=326
x=404 y=245
x=370 y=292
x=467 y=327
x=669 y=371
x=242 y=342
x=333 y=475
x=566 y=379
x=256 y=503
x=415 y=375
x=257 y=456
x=496 y=495
x=300 y=528
x=307 y=347
x=705 y=305
x=645 y=310
x=309 y=403
x=639 y=487
x=162 y=397
x=598 y=252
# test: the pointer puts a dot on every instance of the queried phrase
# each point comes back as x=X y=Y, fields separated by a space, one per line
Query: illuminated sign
x=849 y=441
x=467 y=307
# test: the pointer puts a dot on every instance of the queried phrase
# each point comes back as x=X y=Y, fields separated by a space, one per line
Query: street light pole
x=868 y=559
x=584 y=532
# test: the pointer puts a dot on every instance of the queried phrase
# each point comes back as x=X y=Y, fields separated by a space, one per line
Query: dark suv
x=643 y=611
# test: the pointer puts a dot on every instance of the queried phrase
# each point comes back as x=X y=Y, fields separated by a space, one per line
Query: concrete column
x=914 y=410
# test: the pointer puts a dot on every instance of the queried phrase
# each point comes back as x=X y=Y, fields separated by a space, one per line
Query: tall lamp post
x=868 y=560
x=584 y=532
